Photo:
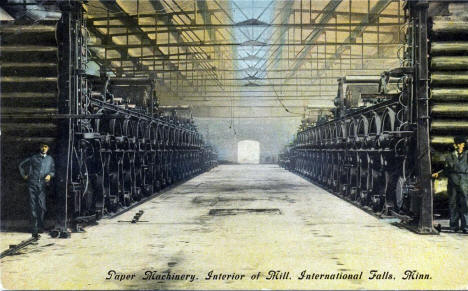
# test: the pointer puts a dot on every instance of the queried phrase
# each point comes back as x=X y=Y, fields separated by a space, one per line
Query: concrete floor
x=313 y=231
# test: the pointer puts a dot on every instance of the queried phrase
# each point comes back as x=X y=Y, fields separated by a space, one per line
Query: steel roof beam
x=224 y=25
x=206 y=18
x=326 y=14
x=122 y=52
x=203 y=28
x=361 y=14
x=151 y=57
x=156 y=13
x=249 y=46
x=314 y=35
x=373 y=57
x=192 y=12
x=132 y=25
x=370 y=18
x=157 y=5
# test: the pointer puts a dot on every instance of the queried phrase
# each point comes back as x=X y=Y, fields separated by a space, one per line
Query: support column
x=418 y=14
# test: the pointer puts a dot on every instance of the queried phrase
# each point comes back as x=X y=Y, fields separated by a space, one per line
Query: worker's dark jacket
x=38 y=168
x=456 y=169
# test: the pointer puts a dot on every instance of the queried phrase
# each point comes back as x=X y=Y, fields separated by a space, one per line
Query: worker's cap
x=459 y=139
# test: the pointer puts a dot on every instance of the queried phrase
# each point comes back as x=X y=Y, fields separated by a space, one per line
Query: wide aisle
x=241 y=219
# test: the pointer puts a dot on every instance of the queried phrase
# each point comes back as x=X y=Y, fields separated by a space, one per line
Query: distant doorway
x=248 y=152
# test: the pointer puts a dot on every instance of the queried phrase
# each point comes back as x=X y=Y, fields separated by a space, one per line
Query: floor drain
x=236 y=211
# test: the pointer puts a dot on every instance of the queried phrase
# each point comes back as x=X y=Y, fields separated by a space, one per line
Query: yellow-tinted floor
x=295 y=236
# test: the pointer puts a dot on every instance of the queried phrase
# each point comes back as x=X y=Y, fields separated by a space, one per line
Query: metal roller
x=449 y=63
x=452 y=47
x=21 y=29
x=449 y=78
x=449 y=25
x=366 y=79
x=449 y=94
x=446 y=126
x=7 y=79
x=174 y=107
x=442 y=140
x=450 y=109
x=27 y=49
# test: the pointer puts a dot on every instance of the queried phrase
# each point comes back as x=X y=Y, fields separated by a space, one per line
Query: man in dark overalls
x=38 y=170
x=456 y=170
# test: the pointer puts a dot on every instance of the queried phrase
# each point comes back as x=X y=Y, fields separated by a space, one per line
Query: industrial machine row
x=113 y=146
x=389 y=132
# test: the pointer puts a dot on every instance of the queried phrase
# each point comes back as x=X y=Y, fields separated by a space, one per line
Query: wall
x=272 y=133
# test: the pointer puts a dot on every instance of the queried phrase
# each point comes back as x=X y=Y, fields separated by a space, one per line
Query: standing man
x=456 y=170
x=38 y=170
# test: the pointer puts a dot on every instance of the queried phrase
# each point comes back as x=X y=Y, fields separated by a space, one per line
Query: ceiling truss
x=206 y=50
